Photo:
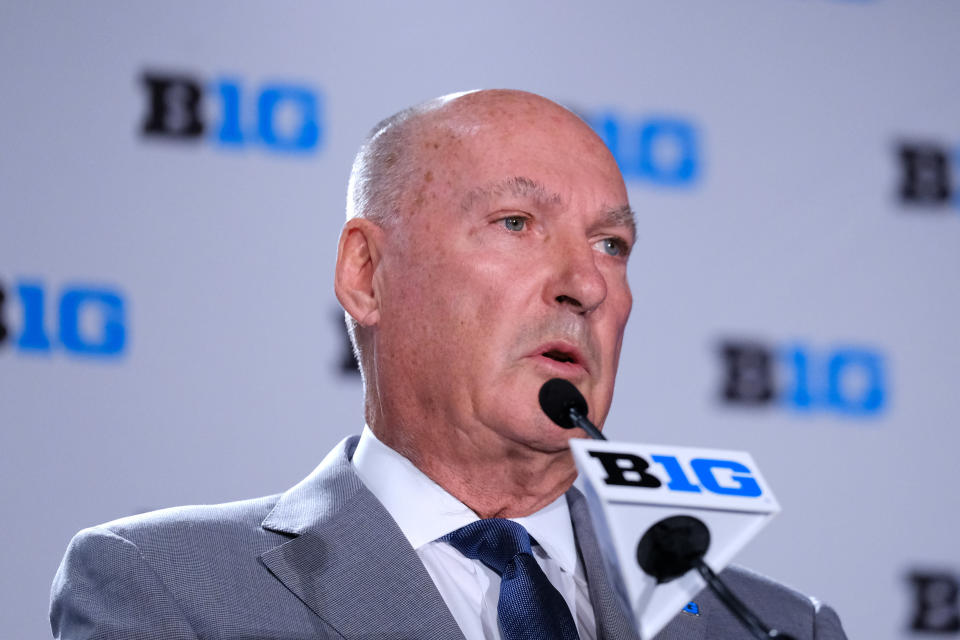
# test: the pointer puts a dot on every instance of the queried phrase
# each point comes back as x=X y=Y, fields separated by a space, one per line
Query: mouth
x=561 y=358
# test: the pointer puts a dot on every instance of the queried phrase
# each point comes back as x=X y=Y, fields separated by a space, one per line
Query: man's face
x=508 y=268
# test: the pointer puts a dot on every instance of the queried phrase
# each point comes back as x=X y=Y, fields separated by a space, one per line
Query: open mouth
x=559 y=356
x=567 y=359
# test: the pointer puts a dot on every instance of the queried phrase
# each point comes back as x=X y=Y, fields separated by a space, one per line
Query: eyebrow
x=621 y=217
x=517 y=186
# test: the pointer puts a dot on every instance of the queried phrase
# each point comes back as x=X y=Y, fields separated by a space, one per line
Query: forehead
x=539 y=152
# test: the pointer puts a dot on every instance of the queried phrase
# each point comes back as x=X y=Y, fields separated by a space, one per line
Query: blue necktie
x=530 y=608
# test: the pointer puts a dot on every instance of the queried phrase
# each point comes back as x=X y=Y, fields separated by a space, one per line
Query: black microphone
x=677 y=544
x=566 y=406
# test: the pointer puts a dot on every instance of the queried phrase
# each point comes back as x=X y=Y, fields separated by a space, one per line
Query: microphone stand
x=581 y=421
x=736 y=605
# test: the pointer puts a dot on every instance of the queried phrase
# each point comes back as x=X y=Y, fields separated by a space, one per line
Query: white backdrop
x=171 y=334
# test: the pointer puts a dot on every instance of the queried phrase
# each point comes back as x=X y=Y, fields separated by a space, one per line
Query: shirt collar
x=425 y=511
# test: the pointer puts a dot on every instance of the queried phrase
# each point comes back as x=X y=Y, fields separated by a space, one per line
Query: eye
x=514 y=223
x=613 y=246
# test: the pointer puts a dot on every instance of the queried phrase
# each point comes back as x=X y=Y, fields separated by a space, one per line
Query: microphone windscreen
x=557 y=397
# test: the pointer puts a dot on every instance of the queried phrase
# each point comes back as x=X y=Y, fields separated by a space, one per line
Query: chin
x=548 y=437
x=529 y=425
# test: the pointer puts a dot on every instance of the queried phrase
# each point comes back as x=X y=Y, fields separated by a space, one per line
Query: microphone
x=565 y=405
x=673 y=546
x=631 y=488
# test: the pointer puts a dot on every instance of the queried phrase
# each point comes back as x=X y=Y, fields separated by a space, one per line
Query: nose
x=577 y=283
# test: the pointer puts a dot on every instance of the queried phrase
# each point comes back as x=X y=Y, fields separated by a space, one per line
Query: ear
x=358 y=255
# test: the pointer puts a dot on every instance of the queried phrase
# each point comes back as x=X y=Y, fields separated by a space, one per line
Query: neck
x=506 y=481
x=503 y=491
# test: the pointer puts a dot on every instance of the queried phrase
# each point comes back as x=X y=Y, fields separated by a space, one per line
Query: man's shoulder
x=190 y=520
x=218 y=531
x=172 y=536
x=748 y=584
x=778 y=605
x=187 y=572
x=242 y=518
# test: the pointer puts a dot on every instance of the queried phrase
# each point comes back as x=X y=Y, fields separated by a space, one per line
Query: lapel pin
x=692 y=609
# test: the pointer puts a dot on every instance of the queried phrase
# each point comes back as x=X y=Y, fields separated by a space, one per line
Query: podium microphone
x=671 y=547
x=677 y=544
x=566 y=406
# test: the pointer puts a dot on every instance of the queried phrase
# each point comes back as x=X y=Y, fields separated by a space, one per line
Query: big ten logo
x=935 y=599
x=277 y=116
x=929 y=173
x=81 y=320
x=664 y=151
x=722 y=477
x=849 y=380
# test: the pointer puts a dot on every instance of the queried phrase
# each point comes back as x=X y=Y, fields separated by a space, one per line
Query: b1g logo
x=722 y=477
x=929 y=173
x=79 y=319
x=278 y=116
x=662 y=150
x=936 y=602
x=849 y=380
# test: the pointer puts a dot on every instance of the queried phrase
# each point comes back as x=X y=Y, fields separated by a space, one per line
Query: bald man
x=485 y=252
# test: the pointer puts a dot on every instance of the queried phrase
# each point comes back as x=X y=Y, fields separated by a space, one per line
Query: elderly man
x=485 y=252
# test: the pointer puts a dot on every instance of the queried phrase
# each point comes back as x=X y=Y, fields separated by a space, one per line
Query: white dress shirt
x=425 y=512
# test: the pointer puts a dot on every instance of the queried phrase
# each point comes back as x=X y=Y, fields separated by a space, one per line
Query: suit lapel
x=349 y=562
x=614 y=618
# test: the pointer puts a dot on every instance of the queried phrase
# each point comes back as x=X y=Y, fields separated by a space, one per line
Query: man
x=485 y=252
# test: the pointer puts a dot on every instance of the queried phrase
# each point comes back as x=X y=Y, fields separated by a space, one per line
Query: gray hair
x=383 y=167
x=381 y=170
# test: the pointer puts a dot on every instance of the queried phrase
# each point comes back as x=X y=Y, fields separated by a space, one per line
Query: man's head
x=485 y=252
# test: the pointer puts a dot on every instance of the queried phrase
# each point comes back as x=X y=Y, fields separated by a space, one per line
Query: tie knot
x=494 y=542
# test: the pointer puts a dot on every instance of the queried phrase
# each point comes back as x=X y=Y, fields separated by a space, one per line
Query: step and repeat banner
x=172 y=180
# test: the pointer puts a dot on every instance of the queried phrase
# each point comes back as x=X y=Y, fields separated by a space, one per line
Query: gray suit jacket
x=323 y=560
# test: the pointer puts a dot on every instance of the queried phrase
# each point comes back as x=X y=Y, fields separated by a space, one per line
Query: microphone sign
x=631 y=488
x=673 y=475
x=629 y=470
